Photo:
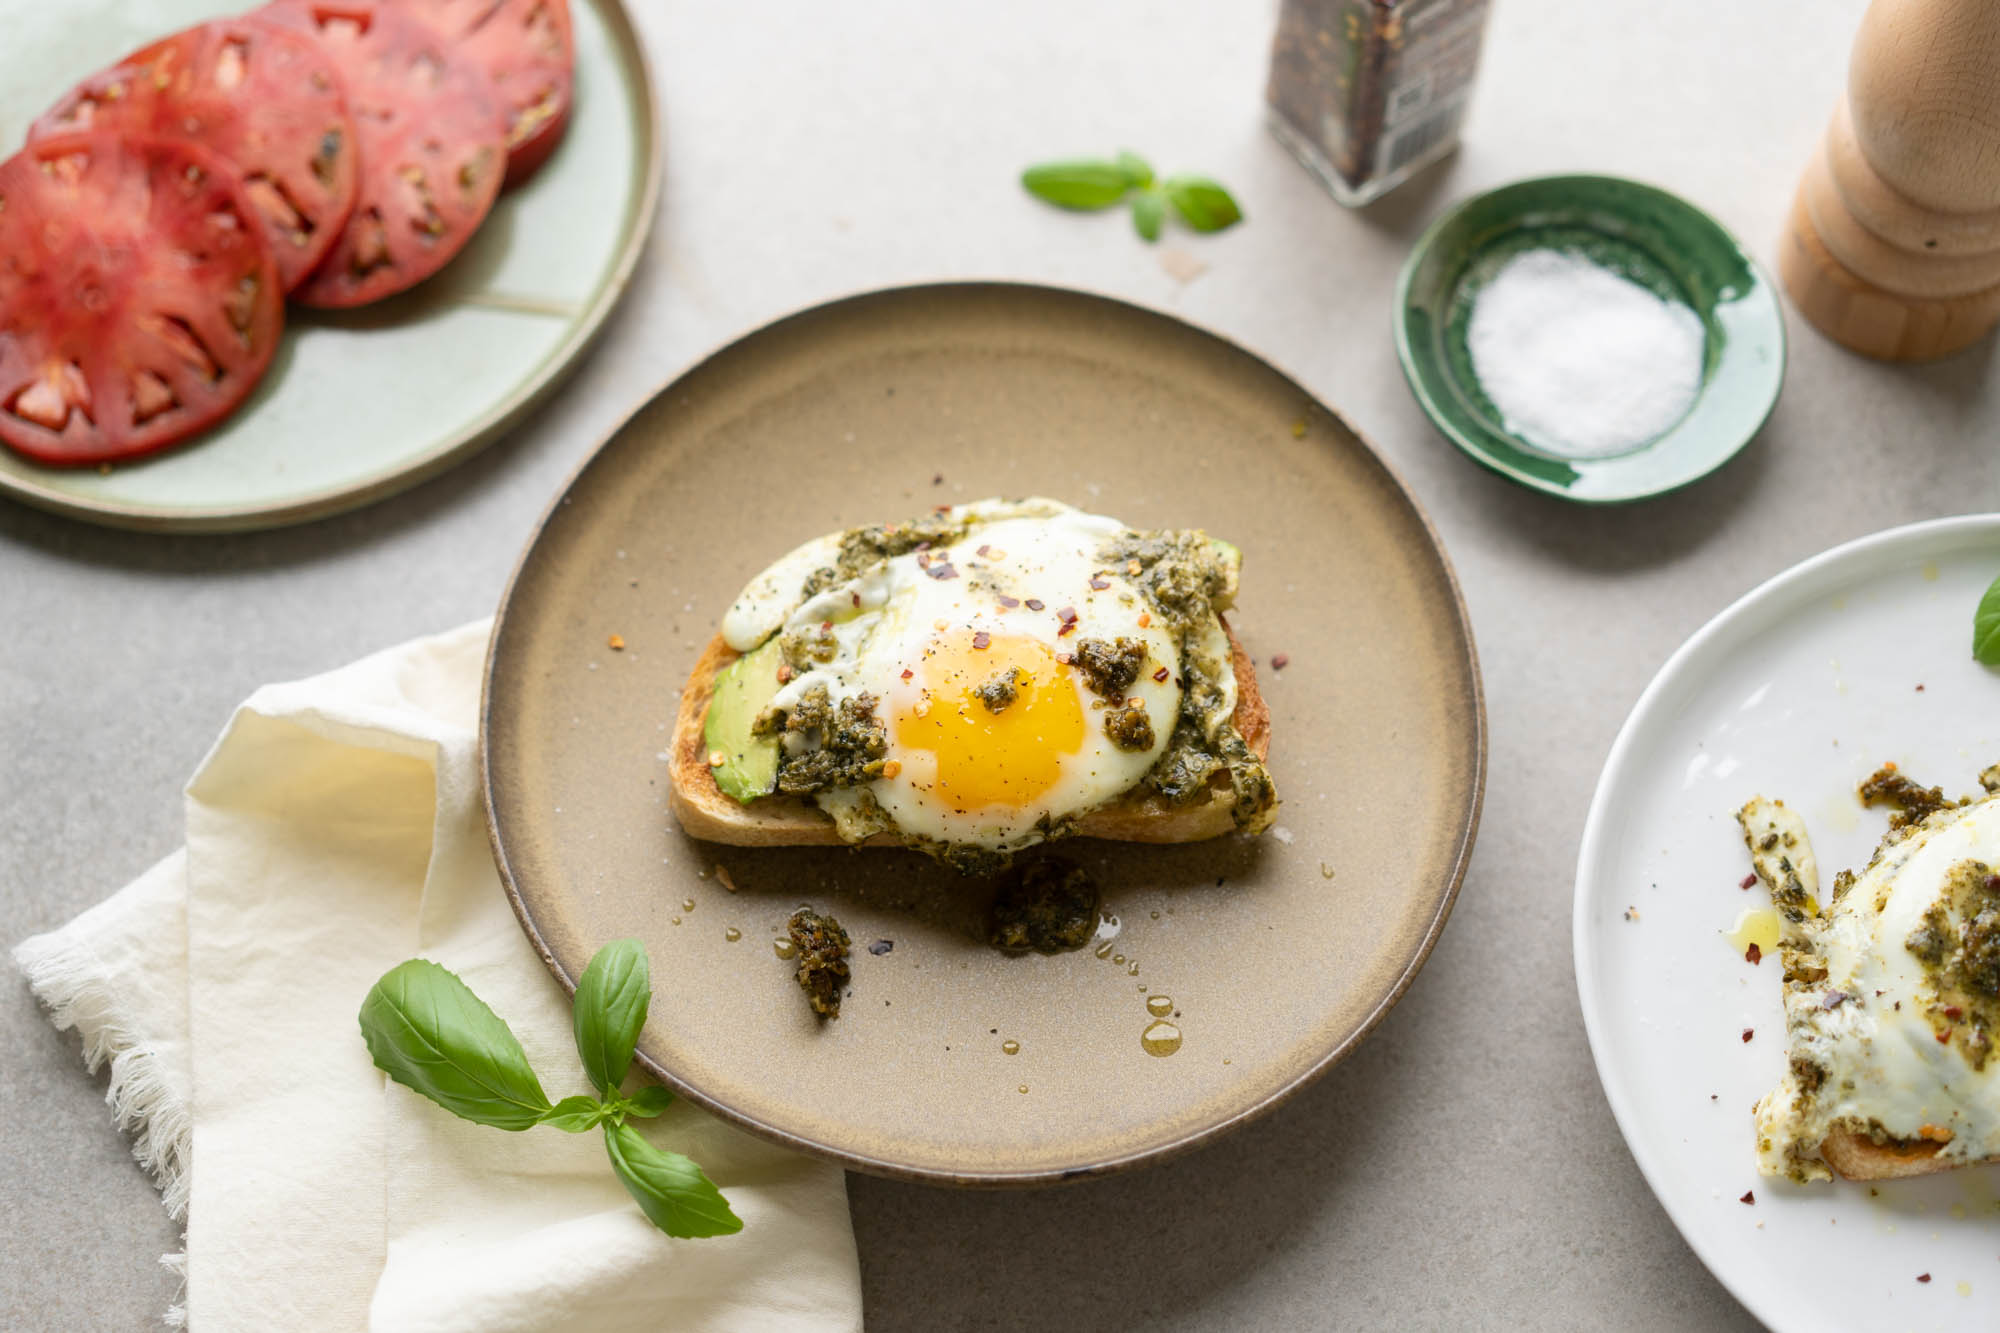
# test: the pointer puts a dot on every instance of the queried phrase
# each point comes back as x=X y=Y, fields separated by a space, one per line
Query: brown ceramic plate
x=1276 y=954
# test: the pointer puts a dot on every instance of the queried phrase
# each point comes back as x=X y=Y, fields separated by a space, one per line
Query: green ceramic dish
x=1645 y=234
x=360 y=404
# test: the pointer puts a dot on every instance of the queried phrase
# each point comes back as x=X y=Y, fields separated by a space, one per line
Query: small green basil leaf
x=648 y=1102
x=611 y=1002
x=1986 y=627
x=669 y=1188
x=1081 y=185
x=1202 y=203
x=1138 y=171
x=428 y=1031
x=576 y=1114
x=1149 y=210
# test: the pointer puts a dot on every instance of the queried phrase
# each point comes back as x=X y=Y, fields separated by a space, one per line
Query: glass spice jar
x=1368 y=92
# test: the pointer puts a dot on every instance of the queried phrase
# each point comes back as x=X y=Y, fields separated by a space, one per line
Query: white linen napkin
x=332 y=832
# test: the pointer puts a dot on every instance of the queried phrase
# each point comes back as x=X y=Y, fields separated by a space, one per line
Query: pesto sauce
x=1186 y=580
x=1048 y=906
x=821 y=944
x=861 y=549
x=1958 y=942
x=840 y=745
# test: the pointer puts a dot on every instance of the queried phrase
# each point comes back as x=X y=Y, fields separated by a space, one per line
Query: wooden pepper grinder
x=1894 y=244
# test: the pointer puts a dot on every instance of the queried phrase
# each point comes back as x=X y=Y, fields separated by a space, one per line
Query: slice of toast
x=1858 y=1157
x=788 y=821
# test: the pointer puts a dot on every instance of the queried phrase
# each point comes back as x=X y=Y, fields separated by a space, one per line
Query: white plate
x=1799 y=691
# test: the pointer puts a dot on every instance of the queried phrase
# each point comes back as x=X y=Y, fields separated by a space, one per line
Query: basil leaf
x=611 y=1002
x=1080 y=184
x=648 y=1102
x=1202 y=203
x=576 y=1114
x=669 y=1188
x=1138 y=171
x=1149 y=210
x=429 y=1032
x=1986 y=627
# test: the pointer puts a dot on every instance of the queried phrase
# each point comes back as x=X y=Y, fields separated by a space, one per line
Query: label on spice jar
x=1365 y=92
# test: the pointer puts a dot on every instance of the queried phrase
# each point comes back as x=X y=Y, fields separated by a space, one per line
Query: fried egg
x=969 y=654
x=1890 y=989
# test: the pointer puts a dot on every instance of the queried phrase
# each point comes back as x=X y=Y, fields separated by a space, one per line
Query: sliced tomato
x=266 y=98
x=530 y=53
x=433 y=147
x=139 y=298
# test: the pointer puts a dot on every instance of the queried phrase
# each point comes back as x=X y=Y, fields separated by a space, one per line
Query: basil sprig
x=1986 y=627
x=428 y=1031
x=1090 y=184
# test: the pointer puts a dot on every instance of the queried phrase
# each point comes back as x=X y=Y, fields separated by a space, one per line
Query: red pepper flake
x=784 y=672
x=982 y=639
x=1065 y=659
x=1067 y=614
x=1036 y=604
x=1993 y=883
x=944 y=571
x=1923 y=1277
x=1944 y=1036
x=1749 y=1196
x=1749 y=881
x=616 y=643
x=906 y=673
x=1279 y=661
x=941 y=509
x=1748 y=1033
x=1953 y=1012
x=1753 y=954
x=856 y=596
x=825 y=626
x=1009 y=602
x=1920 y=689
x=1160 y=675
x=1098 y=583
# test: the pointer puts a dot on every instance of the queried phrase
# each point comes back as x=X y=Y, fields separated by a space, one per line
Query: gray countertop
x=1462 y=1167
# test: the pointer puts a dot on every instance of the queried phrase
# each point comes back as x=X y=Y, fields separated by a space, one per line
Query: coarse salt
x=1579 y=360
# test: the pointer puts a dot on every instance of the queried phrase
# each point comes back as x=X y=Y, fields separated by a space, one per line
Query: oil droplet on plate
x=1930 y=571
x=1104 y=950
x=1965 y=1288
x=1010 y=1047
x=676 y=921
x=1160 y=1038
x=732 y=934
x=1159 y=1006
x=1118 y=958
x=687 y=905
x=1024 y=1087
x=783 y=947
x=1758 y=926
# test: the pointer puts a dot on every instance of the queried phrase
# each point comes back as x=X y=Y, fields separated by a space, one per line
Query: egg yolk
x=985 y=758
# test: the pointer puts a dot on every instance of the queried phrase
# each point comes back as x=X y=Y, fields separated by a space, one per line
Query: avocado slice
x=744 y=689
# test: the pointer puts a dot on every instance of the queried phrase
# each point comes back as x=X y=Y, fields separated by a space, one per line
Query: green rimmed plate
x=363 y=403
x=1642 y=233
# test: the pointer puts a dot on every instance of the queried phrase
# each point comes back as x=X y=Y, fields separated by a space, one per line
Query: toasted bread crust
x=705 y=812
x=1858 y=1157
